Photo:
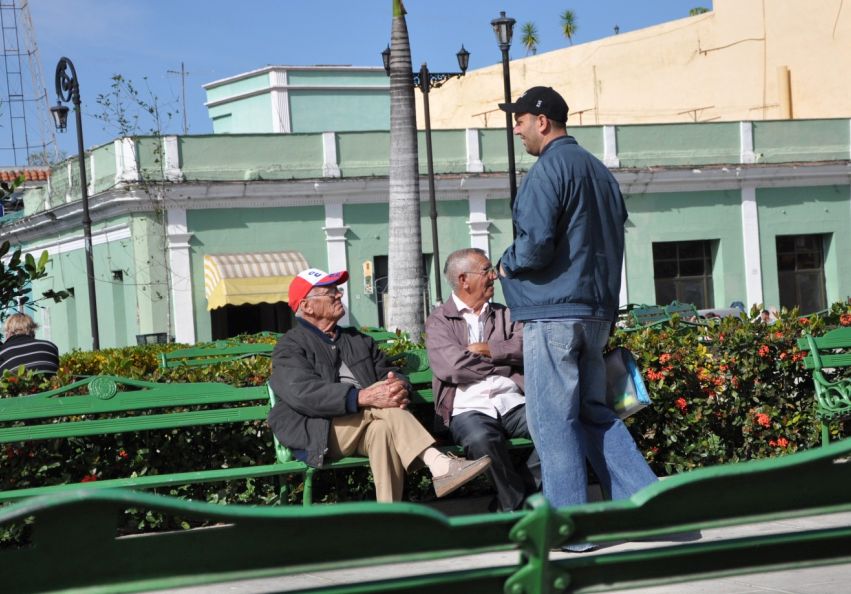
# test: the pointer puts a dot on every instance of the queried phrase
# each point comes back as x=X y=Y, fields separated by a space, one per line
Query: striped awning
x=239 y=279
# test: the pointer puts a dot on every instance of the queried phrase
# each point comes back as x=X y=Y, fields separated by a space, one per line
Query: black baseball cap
x=539 y=101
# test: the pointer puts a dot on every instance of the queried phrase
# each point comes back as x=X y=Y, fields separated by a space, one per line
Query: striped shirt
x=34 y=354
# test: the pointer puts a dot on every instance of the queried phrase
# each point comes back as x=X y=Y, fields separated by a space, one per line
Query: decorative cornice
x=195 y=195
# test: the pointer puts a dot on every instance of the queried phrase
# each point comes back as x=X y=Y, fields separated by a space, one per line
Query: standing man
x=476 y=357
x=561 y=276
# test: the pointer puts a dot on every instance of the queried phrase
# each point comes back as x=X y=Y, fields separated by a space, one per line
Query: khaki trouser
x=392 y=439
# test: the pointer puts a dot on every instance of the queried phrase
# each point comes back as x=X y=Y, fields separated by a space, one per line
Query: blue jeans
x=564 y=369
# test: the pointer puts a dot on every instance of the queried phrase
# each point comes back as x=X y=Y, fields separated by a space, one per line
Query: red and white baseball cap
x=301 y=285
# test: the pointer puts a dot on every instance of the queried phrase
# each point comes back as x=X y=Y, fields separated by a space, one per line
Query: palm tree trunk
x=405 y=269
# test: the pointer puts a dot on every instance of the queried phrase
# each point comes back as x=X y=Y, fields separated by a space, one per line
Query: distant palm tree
x=405 y=261
x=697 y=10
x=530 y=38
x=568 y=24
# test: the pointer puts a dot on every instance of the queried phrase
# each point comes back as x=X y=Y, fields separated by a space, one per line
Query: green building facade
x=752 y=212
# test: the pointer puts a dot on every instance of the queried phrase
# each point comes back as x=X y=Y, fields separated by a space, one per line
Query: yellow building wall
x=744 y=60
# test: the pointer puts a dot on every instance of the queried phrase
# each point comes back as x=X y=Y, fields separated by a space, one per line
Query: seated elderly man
x=476 y=356
x=338 y=395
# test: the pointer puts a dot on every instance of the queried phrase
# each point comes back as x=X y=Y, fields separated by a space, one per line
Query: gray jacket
x=452 y=364
x=306 y=381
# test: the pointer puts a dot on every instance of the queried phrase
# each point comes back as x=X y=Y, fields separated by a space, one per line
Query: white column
x=750 y=240
x=474 y=152
x=610 y=147
x=69 y=194
x=479 y=224
x=746 y=143
x=171 y=159
x=45 y=329
x=126 y=167
x=281 y=120
x=330 y=166
x=335 y=243
x=183 y=312
x=90 y=180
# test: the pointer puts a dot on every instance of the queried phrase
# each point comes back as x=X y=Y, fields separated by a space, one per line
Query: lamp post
x=426 y=80
x=68 y=90
x=504 y=29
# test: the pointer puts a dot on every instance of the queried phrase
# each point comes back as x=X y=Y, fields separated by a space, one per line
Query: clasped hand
x=387 y=393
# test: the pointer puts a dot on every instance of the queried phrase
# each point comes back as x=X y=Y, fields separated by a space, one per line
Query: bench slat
x=216 y=353
x=129 y=424
x=165 y=395
x=829 y=361
x=164 y=480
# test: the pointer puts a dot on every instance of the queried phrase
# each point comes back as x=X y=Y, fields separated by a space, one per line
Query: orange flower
x=89 y=478
x=778 y=335
x=664 y=358
x=804 y=321
x=763 y=351
x=681 y=404
x=782 y=442
x=845 y=319
x=783 y=355
x=763 y=419
x=122 y=453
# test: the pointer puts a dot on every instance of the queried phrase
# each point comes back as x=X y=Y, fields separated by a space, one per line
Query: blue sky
x=216 y=39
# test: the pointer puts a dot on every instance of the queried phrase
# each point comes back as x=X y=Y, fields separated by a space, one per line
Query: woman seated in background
x=23 y=348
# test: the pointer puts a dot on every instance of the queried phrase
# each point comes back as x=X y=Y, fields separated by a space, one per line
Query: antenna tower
x=22 y=104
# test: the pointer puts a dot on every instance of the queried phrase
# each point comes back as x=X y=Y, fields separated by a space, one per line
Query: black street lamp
x=68 y=90
x=426 y=80
x=504 y=29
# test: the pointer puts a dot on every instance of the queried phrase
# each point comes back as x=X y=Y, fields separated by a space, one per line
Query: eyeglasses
x=337 y=292
x=488 y=271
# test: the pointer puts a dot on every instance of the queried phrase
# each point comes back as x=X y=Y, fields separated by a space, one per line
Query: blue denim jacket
x=569 y=220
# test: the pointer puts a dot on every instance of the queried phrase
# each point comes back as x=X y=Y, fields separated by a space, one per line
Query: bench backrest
x=828 y=351
x=684 y=310
x=106 y=396
x=647 y=315
x=221 y=351
x=368 y=534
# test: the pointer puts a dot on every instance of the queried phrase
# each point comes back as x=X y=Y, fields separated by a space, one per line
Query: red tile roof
x=8 y=174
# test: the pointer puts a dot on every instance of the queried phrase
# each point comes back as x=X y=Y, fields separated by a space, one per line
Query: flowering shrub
x=728 y=390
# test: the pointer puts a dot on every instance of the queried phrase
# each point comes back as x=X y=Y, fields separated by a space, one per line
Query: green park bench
x=687 y=311
x=416 y=366
x=645 y=316
x=379 y=335
x=220 y=351
x=110 y=408
x=651 y=316
x=829 y=358
x=54 y=415
x=225 y=351
x=76 y=535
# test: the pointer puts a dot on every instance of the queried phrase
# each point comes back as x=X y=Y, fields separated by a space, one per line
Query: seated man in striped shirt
x=22 y=348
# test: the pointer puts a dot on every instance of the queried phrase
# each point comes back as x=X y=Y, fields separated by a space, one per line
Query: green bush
x=728 y=390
